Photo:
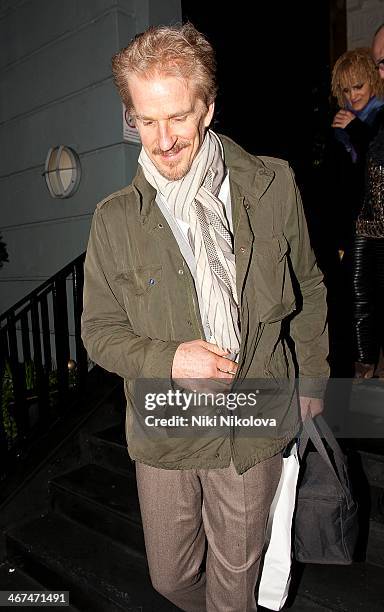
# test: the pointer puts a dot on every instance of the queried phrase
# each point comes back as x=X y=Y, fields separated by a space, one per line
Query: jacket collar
x=145 y=193
x=248 y=172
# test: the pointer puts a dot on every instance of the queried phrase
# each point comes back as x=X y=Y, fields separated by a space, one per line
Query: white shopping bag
x=276 y=572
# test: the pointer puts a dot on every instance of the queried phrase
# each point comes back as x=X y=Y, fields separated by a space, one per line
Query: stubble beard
x=173 y=171
x=176 y=173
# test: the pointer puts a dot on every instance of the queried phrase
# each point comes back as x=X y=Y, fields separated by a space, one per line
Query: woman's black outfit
x=348 y=287
x=368 y=256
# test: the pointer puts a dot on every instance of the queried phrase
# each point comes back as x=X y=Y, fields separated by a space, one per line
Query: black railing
x=43 y=363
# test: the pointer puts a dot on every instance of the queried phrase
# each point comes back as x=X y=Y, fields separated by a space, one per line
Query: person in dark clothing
x=368 y=251
x=359 y=92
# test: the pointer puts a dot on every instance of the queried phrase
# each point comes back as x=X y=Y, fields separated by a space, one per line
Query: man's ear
x=209 y=115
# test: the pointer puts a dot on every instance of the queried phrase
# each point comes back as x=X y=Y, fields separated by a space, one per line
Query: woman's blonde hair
x=353 y=67
x=179 y=51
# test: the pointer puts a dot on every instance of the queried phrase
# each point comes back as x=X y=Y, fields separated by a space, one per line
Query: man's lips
x=171 y=154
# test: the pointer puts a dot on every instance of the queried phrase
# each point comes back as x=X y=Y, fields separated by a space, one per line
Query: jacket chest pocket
x=271 y=279
x=142 y=290
x=141 y=281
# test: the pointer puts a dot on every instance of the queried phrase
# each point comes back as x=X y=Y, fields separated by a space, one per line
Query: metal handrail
x=64 y=271
x=43 y=363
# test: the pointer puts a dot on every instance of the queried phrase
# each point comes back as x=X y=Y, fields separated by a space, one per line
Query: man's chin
x=173 y=173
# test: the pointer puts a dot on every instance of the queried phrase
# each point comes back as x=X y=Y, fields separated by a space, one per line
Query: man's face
x=171 y=122
x=378 y=52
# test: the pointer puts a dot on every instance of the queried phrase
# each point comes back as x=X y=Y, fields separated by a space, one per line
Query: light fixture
x=62 y=171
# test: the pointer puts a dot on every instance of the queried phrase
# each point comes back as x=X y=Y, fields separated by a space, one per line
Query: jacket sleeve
x=309 y=324
x=106 y=330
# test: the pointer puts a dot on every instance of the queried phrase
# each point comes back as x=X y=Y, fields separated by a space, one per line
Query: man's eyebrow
x=171 y=116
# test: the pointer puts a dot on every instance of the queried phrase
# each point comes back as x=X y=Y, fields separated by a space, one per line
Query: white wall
x=363 y=19
x=56 y=88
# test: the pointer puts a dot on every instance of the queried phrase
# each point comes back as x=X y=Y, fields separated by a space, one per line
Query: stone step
x=14 y=579
x=109 y=448
x=99 y=574
x=102 y=500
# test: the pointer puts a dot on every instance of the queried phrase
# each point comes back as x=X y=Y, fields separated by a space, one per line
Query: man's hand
x=200 y=359
x=342 y=118
x=310 y=406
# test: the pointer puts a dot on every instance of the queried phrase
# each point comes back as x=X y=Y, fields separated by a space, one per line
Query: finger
x=215 y=349
x=226 y=365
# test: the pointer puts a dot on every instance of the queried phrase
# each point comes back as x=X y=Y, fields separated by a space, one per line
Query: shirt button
x=181 y=272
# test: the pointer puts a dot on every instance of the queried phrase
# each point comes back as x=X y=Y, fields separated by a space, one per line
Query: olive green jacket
x=140 y=303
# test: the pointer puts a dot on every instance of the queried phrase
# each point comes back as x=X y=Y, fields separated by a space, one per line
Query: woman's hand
x=342 y=118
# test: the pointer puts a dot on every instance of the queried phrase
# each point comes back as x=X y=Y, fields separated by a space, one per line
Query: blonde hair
x=352 y=67
x=179 y=51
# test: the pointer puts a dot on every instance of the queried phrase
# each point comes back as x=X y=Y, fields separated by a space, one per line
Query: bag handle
x=311 y=432
x=325 y=431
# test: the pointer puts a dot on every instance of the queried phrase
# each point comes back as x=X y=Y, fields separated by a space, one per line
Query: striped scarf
x=193 y=199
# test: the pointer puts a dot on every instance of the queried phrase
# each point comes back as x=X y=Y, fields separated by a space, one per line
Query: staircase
x=89 y=539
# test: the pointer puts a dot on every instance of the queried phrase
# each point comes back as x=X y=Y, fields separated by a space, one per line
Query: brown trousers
x=187 y=513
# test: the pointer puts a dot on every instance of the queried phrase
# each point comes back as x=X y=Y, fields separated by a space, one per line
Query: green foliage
x=3 y=252
x=30 y=375
x=7 y=397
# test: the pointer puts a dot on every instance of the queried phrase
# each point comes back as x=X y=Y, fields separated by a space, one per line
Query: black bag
x=325 y=524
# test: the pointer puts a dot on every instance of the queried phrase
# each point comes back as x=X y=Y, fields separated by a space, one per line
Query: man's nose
x=166 y=138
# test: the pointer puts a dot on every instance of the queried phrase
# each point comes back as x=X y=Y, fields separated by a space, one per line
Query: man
x=378 y=49
x=191 y=274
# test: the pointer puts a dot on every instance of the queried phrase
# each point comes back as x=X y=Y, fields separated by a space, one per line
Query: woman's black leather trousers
x=368 y=297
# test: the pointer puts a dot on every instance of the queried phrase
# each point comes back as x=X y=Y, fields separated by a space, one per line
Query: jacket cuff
x=312 y=387
x=160 y=363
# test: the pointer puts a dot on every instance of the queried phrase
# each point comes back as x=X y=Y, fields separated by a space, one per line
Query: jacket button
x=246 y=205
x=160 y=226
x=242 y=249
x=181 y=272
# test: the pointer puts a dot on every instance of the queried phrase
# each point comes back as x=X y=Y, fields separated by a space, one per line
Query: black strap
x=311 y=431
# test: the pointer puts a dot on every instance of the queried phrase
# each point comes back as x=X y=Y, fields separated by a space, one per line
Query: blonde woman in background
x=359 y=91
